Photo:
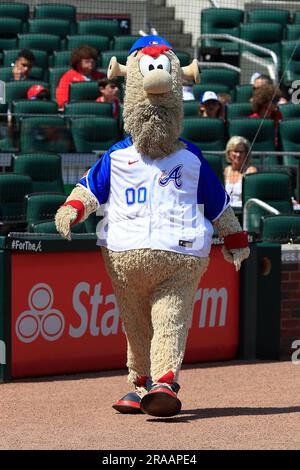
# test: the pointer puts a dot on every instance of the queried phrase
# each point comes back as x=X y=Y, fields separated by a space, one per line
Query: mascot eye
x=146 y=64
x=163 y=63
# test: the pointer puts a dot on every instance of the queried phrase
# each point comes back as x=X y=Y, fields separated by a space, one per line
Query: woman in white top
x=238 y=156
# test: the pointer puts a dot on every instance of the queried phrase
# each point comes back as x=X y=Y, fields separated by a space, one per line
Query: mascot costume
x=162 y=203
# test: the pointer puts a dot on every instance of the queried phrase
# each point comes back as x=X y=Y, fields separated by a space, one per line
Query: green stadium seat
x=56 y=10
x=198 y=90
x=238 y=110
x=216 y=163
x=191 y=108
x=272 y=188
x=10 y=27
x=99 y=27
x=124 y=43
x=296 y=17
x=292 y=32
x=268 y=15
x=13 y=189
x=17 y=90
x=206 y=133
x=221 y=21
x=184 y=58
x=42 y=206
x=268 y=35
x=260 y=129
x=14 y=10
x=83 y=91
x=6 y=73
x=44 y=170
x=29 y=107
x=62 y=59
x=290 y=111
x=94 y=133
x=281 y=229
x=41 y=57
x=91 y=223
x=220 y=76
x=45 y=134
x=106 y=56
x=49 y=227
x=243 y=93
x=100 y=43
x=290 y=56
x=55 y=75
x=8 y=43
x=44 y=42
x=55 y=26
x=88 y=108
x=290 y=139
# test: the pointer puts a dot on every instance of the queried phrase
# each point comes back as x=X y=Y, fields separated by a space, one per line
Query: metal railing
x=260 y=203
x=228 y=37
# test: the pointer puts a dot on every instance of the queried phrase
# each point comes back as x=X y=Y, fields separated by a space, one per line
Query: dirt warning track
x=231 y=405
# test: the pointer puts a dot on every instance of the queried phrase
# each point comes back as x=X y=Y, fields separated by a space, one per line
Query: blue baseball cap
x=145 y=41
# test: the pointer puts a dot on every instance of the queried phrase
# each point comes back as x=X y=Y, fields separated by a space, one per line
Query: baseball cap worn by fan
x=209 y=96
x=33 y=92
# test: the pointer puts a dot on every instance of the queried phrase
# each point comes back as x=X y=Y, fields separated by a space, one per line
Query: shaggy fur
x=67 y=214
x=153 y=121
x=158 y=316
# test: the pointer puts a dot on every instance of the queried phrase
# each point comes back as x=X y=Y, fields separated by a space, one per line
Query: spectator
x=238 y=156
x=83 y=62
x=38 y=92
x=211 y=106
x=21 y=69
x=265 y=105
x=258 y=80
x=109 y=91
x=187 y=92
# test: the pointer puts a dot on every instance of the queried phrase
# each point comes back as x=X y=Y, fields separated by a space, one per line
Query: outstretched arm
x=235 y=248
x=78 y=206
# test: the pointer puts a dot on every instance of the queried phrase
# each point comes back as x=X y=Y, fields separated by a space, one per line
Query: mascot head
x=153 y=109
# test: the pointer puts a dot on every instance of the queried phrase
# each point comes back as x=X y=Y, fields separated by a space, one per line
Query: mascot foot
x=162 y=400
x=129 y=404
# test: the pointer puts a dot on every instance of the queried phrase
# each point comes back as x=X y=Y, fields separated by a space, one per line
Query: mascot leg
x=172 y=308
x=136 y=316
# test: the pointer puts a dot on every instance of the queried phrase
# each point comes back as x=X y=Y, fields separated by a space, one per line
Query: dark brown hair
x=263 y=96
x=82 y=52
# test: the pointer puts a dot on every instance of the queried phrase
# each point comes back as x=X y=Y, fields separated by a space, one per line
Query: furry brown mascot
x=162 y=201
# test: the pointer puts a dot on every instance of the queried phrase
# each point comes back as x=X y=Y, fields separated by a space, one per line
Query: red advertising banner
x=65 y=317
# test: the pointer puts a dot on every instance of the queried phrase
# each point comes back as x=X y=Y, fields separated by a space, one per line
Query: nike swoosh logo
x=131 y=163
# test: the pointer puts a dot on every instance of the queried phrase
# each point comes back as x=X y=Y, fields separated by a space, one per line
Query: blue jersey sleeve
x=211 y=192
x=97 y=179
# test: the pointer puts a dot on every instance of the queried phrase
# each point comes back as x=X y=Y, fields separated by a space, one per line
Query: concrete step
x=158 y=3
x=179 y=41
x=169 y=26
x=167 y=13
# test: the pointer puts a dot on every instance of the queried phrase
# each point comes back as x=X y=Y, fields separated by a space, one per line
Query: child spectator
x=21 y=69
x=83 y=62
x=109 y=92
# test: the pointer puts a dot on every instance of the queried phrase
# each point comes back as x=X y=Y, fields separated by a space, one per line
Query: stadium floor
x=234 y=405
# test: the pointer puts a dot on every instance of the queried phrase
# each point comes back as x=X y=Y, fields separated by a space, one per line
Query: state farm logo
x=41 y=318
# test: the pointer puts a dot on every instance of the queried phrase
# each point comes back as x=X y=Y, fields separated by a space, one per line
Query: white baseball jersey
x=164 y=204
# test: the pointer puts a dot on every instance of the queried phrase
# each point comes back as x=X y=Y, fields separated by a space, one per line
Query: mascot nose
x=157 y=82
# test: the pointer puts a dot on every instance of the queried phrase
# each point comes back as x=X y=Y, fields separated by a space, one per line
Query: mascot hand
x=236 y=255
x=64 y=218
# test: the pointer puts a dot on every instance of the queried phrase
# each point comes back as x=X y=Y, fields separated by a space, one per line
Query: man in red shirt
x=83 y=61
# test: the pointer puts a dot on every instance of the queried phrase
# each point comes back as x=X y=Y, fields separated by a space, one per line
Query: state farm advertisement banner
x=65 y=316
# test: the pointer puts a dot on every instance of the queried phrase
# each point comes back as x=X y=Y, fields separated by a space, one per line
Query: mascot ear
x=191 y=72
x=115 y=69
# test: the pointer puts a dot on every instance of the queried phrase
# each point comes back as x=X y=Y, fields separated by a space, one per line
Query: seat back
x=259 y=132
x=124 y=43
x=99 y=27
x=106 y=56
x=13 y=189
x=268 y=35
x=55 y=75
x=94 y=133
x=56 y=26
x=219 y=75
x=191 y=108
x=44 y=42
x=290 y=57
x=10 y=27
x=100 y=43
x=45 y=134
x=221 y=21
x=206 y=133
x=44 y=170
x=292 y=32
x=198 y=90
x=290 y=139
x=41 y=58
x=290 y=111
x=15 y=10
x=281 y=228
x=49 y=227
x=41 y=207
x=243 y=93
x=272 y=188
x=83 y=91
x=34 y=107
x=17 y=90
x=88 y=108
x=268 y=15
x=238 y=110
